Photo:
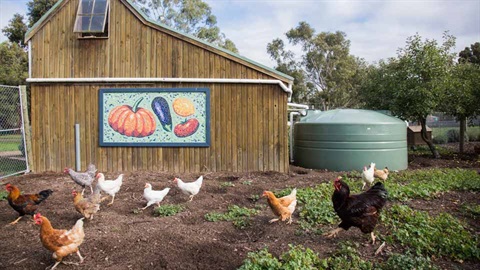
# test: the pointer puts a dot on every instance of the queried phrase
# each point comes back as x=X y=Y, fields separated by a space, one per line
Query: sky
x=376 y=29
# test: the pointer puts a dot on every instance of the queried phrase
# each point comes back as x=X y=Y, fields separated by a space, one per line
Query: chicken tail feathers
x=379 y=188
x=42 y=195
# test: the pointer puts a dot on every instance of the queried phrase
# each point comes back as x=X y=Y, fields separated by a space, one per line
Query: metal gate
x=13 y=154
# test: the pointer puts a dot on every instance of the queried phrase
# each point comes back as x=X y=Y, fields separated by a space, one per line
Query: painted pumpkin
x=183 y=107
x=132 y=121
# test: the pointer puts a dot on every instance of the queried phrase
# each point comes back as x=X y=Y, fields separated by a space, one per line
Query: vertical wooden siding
x=247 y=134
x=248 y=122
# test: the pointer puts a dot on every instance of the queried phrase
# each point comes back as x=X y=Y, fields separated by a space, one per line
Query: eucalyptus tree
x=188 y=16
x=328 y=72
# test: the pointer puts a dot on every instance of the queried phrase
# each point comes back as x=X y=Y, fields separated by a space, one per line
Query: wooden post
x=26 y=127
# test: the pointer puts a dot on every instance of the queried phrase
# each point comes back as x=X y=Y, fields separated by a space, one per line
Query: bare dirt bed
x=117 y=238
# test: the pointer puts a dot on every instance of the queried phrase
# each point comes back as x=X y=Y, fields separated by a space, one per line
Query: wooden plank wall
x=247 y=132
x=248 y=122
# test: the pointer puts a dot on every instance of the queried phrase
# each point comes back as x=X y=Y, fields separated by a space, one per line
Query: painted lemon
x=183 y=107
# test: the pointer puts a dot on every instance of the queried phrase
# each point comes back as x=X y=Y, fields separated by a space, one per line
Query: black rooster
x=360 y=210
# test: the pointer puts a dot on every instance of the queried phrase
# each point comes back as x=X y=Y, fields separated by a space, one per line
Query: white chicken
x=368 y=175
x=111 y=187
x=153 y=196
x=191 y=189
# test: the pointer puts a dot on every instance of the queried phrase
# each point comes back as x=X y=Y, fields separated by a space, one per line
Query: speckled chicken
x=83 y=178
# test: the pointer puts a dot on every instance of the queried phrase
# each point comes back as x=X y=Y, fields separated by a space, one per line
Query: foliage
x=247 y=183
x=473 y=133
x=412 y=85
x=168 y=210
x=239 y=215
x=470 y=54
x=407 y=261
x=422 y=150
x=440 y=139
x=189 y=16
x=346 y=257
x=37 y=8
x=227 y=184
x=15 y=30
x=473 y=211
x=3 y=195
x=261 y=260
x=461 y=98
x=297 y=257
x=326 y=74
x=443 y=235
x=428 y=183
x=13 y=65
x=453 y=135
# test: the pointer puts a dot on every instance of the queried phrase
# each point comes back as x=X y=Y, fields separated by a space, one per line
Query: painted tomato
x=132 y=121
x=183 y=106
x=186 y=128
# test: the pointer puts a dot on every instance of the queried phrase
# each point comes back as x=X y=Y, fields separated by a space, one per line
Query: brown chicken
x=87 y=206
x=61 y=242
x=381 y=174
x=25 y=204
x=359 y=210
x=282 y=207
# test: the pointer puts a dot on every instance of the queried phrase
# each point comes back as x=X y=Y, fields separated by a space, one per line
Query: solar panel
x=91 y=16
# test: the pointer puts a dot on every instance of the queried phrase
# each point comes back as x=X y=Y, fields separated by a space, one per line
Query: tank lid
x=349 y=116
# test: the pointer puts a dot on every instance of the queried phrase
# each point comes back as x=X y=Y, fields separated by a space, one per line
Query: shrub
x=297 y=257
x=440 y=139
x=453 y=135
x=473 y=135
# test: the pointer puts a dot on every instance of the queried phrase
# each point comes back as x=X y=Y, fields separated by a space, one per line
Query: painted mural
x=154 y=117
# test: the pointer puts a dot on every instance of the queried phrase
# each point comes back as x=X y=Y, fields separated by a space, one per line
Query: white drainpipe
x=168 y=80
x=29 y=59
x=291 y=134
x=301 y=106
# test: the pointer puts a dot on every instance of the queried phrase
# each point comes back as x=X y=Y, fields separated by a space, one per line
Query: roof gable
x=159 y=26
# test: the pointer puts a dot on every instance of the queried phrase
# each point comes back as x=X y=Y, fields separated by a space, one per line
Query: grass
x=472 y=132
x=167 y=210
x=227 y=184
x=240 y=216
x=9 y=146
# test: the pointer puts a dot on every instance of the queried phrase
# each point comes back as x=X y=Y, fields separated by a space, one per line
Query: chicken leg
x=333 y=233
x=273 y=220
x=110 y=203
x=15 y=221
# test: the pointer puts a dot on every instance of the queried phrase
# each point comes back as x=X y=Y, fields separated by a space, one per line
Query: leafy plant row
x=345 y=257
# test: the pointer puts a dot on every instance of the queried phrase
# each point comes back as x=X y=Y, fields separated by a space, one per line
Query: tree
x=189 y=16
x=13 y=71
x=327 y=69
x=37 y=8
x=470 y=54
x=13 y=64
x=462 y=97
x=412 y=85
x=15 y=30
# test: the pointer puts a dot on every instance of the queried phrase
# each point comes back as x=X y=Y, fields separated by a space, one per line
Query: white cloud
x=376 y=29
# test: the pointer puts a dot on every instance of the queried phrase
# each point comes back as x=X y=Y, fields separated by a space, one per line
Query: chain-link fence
x=13 y=159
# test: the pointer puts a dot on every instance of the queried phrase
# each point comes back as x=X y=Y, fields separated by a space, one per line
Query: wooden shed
x=414 y=136
x=76 y=56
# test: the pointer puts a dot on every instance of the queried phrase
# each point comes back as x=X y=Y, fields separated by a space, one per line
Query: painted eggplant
x=162 y=111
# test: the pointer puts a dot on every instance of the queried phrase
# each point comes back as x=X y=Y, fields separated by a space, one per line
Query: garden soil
x=121 y=237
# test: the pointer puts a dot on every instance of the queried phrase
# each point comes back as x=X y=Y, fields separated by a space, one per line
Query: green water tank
x=348 y=139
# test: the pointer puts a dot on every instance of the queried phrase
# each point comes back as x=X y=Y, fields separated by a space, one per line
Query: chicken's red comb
x=37 y=215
